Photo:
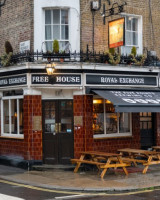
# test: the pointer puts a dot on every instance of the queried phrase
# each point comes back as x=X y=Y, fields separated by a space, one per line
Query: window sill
x=121 y=135
x=12 y=137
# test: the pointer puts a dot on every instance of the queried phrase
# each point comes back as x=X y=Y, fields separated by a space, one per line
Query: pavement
x=85 y=180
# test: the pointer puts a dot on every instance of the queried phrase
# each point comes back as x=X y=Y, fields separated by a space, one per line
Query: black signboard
x=65 y=79
x=14 y=80
x=121 y=80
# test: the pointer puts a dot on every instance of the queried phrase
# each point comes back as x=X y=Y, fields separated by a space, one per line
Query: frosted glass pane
x=48 y=32
x=47 y=17
x=64 y=17
x=135 y=38
x=135 y=24
x=56 y=16
x=49 y=46
x=56 y=32
x=128 y=38
x=128 y=23
x=64 y=32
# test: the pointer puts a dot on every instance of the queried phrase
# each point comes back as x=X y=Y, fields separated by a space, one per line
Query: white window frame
x=52 y=24
x=18 y=135
x=111 y=135
x=139 y=47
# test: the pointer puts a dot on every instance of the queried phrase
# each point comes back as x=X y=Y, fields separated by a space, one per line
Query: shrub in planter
x=6 y=58
x=55 y=46
x=112 y=59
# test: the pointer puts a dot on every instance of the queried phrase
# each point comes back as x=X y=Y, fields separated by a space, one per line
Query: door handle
x=56 y=128
x=59 y=127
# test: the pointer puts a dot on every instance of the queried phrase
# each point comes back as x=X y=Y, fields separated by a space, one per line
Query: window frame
x=126 y=49
x=60 y=24
x=10 y=134
x=113 y=135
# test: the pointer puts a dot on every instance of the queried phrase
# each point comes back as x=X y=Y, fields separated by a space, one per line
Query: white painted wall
x=74 y=21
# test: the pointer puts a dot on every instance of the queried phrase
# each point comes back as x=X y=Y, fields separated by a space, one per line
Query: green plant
x=55 y=46
x=134 y=51
x=6 y=59
x=112 y=51
x=8 y=47
x=112 y=59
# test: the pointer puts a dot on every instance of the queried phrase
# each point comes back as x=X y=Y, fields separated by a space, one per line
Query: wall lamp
x=114 y=10
x=50 y=68
x=2 y=3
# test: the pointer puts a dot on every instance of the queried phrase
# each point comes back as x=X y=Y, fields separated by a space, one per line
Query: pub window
x=12 y=116
x=56 y=27
x=108 y=123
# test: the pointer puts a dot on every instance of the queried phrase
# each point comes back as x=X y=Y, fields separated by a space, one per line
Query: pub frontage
x=51 y=118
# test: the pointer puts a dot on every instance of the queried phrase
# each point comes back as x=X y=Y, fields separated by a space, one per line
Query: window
x=133 y=34
x=56 y=27
x=12 y=117
x=107 y=123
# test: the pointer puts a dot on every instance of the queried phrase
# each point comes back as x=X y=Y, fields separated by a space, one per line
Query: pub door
x=57 y=131
x=147 y=130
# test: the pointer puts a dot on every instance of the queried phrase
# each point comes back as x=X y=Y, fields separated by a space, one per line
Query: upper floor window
x=133 y=34
x=56 y=27
x=12 y=116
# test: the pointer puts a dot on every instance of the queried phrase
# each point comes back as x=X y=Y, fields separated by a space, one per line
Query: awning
x=132 y=100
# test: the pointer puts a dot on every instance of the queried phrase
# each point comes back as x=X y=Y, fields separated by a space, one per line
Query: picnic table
x=102 y=160
x=144 y=157
x=156 y=148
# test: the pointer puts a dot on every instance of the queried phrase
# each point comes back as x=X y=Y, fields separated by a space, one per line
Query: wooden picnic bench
x=102 y=160
x=144 y=157
x=156 y=148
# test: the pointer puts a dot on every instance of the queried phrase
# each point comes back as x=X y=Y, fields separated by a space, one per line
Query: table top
x=97 y=153
x=138 y=151
x=156 y=147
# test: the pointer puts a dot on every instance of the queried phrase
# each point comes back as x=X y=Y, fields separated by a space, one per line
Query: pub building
x=51 y=111
x=51 y=118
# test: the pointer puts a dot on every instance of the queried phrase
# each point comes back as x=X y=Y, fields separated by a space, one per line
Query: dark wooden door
x=146 y=130
x=57 y=131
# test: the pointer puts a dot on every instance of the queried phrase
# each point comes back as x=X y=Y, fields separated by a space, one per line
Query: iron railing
x=87 y=56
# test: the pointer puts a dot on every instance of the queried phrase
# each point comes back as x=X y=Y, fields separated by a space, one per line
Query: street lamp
x=50 y=68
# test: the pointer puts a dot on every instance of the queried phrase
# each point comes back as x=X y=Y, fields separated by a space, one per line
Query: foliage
x=134 y=51
x=55 y=46
x=112 y=59
x=8 y=47
x=112 y=51
x=6 y=59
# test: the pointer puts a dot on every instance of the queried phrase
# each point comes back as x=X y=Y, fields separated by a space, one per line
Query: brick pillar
x=32 y=106
x=83 y=133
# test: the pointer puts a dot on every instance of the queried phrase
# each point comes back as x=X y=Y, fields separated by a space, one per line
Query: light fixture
x=50 y=68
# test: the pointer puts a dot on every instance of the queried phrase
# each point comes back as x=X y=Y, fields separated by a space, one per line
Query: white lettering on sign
x=40 y=79
x=17 y=80
x=132 y=80
x=109 y=80
x=67 y=79
x=3 y=82
x=143 y=101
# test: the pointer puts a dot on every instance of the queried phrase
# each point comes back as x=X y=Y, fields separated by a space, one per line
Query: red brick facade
x=30 y=148
x=83 y=136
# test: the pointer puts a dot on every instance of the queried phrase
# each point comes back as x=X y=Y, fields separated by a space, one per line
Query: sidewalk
x=85 y=180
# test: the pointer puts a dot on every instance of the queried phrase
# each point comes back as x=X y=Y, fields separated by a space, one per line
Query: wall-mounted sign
x=116 y=33
x=14 y=80
x=24 y=46
x=121 y=80
x=65 y=79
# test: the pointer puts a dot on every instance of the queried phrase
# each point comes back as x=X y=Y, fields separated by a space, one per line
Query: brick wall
x=150 y=36
x=16 y=23
x=83 y=135
x=30 y=148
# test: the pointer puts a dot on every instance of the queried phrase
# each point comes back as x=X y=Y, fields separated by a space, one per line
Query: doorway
x=57 y=131
x=147 y=130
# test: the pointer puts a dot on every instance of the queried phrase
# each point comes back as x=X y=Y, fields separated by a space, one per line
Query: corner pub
x=51 y=118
